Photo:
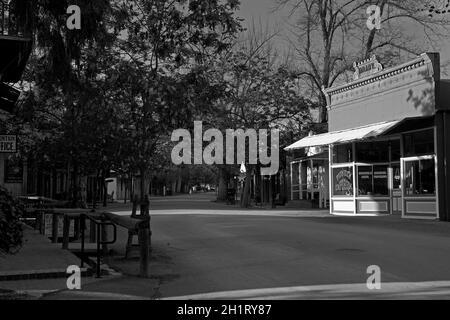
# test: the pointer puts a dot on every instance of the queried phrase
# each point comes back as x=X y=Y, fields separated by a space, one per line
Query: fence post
x=104 y=237
x=92 y=232
x=55 y=219
x=66 y=230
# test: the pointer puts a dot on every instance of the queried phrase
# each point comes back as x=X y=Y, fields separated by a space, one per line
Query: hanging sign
x=8 y=144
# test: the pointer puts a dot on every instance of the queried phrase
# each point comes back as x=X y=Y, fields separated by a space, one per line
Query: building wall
x=408 y=90
x=413 y=89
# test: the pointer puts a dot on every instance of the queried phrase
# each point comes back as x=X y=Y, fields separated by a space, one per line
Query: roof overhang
x=8 y=97
x=343 y=136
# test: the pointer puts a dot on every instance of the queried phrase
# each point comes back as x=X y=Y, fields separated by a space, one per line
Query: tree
x=327 y=36
x=11 y=232
x=161 y=51
x=260 y=95
x=61 y=85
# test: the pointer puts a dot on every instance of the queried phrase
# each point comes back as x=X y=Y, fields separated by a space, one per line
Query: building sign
x=13 y=170
x=343 y=181
x=8 y=144
x=366 y=68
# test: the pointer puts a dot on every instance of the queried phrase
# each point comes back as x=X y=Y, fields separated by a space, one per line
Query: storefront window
x=380 y=181
x=419 y=143
x=365 y=180
x=397 y=179
x=372 y=152
x=420 y=178
x=343 y=181
x=343 y=153
x=373 y=181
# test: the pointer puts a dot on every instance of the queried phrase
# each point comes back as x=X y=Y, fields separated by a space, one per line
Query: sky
x=258 y=8
x=262 y=10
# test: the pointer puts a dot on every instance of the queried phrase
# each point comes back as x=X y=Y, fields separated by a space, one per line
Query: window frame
x=388 y=167
x=405 y=154
x=339 y=166
x=419 y=196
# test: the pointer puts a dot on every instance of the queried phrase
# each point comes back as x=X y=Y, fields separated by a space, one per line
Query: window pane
x=372 y=151
x=373 y=181
x=395 y=150
x=396 y=176
x=420 y=178
x=343 y=153
x=380 y=181
x=365 y=177
x=343 y=181
x=419 y=143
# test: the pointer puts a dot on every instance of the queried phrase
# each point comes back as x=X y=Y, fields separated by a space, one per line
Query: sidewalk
x=37 y=259
x=38 y=269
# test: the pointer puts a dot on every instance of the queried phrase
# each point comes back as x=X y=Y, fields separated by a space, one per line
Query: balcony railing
x=15 y=19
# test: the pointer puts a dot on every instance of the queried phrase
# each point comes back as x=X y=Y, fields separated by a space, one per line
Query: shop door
x=396 y=189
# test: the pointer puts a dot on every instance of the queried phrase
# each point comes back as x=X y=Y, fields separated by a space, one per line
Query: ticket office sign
x=8 y=144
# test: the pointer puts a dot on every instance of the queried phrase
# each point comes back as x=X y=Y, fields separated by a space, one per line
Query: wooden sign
x=366 y=68
x=8 y=144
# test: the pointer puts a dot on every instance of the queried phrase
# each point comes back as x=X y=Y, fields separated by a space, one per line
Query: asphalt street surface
x=204 y=250
x=224 y=250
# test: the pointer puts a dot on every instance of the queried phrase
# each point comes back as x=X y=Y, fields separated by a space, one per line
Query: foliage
x=11 y=232
x=259 y=95
x=105 y=97
x=157 y=64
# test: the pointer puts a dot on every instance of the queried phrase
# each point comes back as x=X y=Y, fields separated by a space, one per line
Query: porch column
x=292 y=180
x=311 y=181
x=300 y=181
x=442 y=147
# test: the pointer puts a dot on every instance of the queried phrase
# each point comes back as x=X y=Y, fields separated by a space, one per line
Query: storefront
x=309 y=177
x=387 y=141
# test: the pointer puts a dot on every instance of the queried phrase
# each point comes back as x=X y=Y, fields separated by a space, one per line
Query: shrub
x=11 y=232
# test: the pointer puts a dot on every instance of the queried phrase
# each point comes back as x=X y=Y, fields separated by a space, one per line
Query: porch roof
x=343 y=136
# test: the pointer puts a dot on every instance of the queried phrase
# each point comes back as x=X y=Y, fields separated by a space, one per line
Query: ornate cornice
x=391 y=78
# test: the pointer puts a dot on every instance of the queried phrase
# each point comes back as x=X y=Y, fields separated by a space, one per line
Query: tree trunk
x=75 y=187
x=105 y=188
x=245 y=199
x=223 y=183
x=143 y=185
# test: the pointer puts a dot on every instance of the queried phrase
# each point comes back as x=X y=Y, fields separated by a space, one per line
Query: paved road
x=311 y=255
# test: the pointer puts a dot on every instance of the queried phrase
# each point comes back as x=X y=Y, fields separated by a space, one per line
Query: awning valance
x=343 y=136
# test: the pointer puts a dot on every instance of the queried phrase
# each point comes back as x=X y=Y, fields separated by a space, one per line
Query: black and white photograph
x=245 y=151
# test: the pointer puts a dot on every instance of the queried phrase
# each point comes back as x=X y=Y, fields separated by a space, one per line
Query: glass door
x=396 y=183
x=419 y=187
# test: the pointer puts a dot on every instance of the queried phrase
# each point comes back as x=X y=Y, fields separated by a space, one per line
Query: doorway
x=396 y=186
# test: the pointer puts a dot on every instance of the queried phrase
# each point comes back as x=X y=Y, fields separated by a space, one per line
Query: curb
x=39 y=274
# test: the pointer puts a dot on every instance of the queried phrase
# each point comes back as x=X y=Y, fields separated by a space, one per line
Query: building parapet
x=378 y=79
